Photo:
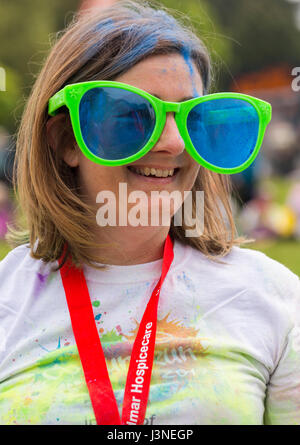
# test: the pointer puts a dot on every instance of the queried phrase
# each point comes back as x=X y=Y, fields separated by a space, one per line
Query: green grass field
x=4 y=249
x=285 y=251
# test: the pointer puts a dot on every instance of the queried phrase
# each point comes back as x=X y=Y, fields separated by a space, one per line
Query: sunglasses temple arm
x=57 y=101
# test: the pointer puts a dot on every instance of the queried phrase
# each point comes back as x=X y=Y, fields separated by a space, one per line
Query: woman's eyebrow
x=182 y=100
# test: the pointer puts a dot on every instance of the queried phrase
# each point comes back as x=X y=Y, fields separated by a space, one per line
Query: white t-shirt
x=227 y=346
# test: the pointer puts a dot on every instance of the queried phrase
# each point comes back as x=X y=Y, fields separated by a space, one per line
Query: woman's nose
x=170 y=139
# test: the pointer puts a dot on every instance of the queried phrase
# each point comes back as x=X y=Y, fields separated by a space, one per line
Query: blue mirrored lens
x=115 y=123
x=224 y=131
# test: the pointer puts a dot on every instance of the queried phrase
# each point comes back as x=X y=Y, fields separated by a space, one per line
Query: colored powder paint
x=145 y=35
x=40 y=283
x=96 y=303
x=111 y=337
x=186 y=53
x=98 y=317
x=45 y=349
x=140 y=49
x=147 y=42
x=105 y=27
x=42 y=347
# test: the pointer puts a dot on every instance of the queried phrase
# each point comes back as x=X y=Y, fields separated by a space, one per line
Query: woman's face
x=172 y=79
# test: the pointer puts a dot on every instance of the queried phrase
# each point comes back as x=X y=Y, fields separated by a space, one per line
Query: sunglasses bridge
x=171 y=107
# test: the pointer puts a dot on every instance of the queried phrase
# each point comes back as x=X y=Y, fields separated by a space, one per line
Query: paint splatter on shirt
x=227 y=345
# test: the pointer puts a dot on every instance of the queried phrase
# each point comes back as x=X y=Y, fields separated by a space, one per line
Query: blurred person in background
x=6 y=157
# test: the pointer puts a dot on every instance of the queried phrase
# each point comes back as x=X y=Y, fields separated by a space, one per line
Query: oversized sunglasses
x=116 y=124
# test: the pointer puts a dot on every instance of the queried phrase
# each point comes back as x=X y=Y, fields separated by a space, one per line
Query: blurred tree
x=9 y=98
x=263 y=33
x=25 y=26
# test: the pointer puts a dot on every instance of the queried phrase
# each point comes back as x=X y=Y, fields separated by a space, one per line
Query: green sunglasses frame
x=70 y=96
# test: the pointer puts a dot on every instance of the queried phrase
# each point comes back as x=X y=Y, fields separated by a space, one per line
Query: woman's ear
x=60 y=137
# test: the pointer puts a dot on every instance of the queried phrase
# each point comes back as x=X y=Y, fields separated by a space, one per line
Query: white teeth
x=153 y=171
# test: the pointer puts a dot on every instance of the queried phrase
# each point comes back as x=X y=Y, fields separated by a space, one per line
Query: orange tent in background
x=266 y=79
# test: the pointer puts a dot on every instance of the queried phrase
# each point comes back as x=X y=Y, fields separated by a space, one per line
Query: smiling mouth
x=154 y=172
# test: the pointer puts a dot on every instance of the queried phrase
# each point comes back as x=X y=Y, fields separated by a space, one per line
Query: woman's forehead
x=165 y=75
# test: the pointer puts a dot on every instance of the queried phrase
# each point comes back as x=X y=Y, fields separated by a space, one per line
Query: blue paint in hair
x=164 y=27
x=104 y=27
x=105 y=24
x=147 y=35
x=143 y=47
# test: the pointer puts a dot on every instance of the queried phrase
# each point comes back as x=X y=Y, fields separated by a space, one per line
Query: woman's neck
x=130 y=245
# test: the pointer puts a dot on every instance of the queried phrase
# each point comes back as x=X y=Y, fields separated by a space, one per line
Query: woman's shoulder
x=19 y=266
x=22 y=280
x=16 y=258
x=249 y=263
x=249 y=269
x=256 y=266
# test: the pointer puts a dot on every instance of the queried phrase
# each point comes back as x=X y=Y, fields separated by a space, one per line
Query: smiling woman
x=103 y=53
x=206 y=332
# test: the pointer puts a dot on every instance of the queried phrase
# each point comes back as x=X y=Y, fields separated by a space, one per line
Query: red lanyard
x=91 y=353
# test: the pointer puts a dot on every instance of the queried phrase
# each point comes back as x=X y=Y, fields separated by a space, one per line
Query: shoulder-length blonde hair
x=102 y=44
